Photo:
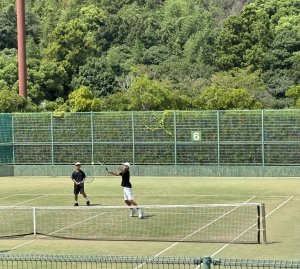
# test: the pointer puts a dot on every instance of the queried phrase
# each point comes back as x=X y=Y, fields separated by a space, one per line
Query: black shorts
x=78 y=188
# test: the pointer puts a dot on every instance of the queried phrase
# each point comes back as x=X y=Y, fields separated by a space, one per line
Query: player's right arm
x=113 y=173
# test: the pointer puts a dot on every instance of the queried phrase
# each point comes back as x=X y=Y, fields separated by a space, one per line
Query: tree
x=176 y=44
x=8 y=27
x=181 y=74
x=119 y=101
x=154 y=55
x=281 y=60
x=245 y=79
x=97 y=75
x=294 y=93
x=200 y=47
x=218 y=98
x=8 y=68
x=100 y=74
x=181 y=21
x=57 y=105
x=264 y=37
x=139 y=23
x=243 y=40
x=295 y=70
x=10 y=101
x=72 y=42
x=82 y=100
x=55 y=76
x=145 y=94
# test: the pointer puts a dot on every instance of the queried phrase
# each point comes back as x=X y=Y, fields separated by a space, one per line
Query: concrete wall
x=157 y=170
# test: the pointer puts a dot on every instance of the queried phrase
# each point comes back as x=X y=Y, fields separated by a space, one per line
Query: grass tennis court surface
x=280 y=195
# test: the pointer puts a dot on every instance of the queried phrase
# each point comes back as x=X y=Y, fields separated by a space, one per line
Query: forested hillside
x=97 y=55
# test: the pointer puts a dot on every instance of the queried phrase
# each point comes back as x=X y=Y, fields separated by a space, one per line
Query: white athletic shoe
x=141 y=213
x=133 y=212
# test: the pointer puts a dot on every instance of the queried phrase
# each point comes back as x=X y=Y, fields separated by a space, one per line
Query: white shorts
x=127 y=192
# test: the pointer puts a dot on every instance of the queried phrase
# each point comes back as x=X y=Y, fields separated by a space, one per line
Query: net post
x=261 y=224
x=34 y=220
x=206 y=263
x=263 y=221
x=258 y=223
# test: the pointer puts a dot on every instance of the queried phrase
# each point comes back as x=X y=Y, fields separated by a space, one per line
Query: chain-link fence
x=251 y=137
x=35 y=261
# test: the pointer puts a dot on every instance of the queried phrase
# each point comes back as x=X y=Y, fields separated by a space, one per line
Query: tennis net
x=236 y=223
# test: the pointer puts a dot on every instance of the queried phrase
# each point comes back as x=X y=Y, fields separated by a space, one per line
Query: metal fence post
x=206 y=262
x=262 y=138
x=133 y=136
x=92 y=135
x=175 y=138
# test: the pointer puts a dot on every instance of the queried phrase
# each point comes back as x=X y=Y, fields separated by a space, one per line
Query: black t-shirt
x=125 y=179
x=78 y=176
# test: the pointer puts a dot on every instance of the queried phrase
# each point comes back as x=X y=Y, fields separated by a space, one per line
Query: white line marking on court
x=41 y=196
x=45 y=195
x=171 y=195
x=291 y=197
x=196 y=232
x=225 y=246
x=24 y=244
x=2 y=198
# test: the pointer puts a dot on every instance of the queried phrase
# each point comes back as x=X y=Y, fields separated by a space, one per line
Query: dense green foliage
x=153 y=55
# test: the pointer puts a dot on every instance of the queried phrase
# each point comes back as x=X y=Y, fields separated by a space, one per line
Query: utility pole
x=21 y=48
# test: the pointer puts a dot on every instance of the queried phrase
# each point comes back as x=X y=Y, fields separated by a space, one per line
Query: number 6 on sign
x=196 y=136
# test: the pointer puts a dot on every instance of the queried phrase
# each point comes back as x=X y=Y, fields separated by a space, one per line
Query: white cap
x=127 y=164
x=77 y=163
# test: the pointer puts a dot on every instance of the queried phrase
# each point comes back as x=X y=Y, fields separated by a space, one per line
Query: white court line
x=147 y=195
x=38 y=194
x=45 y=195
x=197 y=231
x=42 y=196
x=2 y=198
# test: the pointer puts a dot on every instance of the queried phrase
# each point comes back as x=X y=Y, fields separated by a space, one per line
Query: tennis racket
x=90 y=175
x=88 y=179
x=103 y=164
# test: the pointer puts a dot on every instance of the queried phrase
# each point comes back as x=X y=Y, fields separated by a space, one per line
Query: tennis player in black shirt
x=78 y=177
x=127 y=189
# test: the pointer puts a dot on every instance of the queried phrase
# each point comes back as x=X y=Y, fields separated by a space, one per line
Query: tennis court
x=280 y=196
